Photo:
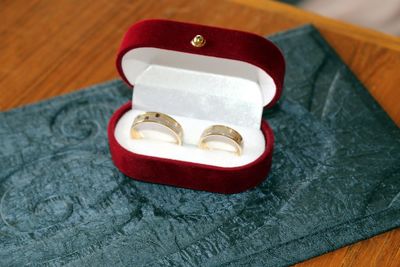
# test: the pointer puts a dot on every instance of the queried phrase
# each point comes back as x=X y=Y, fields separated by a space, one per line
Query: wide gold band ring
x=158 y=118
x=224 y=134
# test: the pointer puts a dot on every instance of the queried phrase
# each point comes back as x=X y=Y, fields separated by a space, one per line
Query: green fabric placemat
x=335 y=180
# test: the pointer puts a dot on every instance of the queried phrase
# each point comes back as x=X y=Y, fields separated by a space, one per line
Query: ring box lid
x=235 y=71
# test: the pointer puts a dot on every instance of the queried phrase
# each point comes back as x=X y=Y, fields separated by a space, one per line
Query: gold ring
x=218 y=133
x=160 y=119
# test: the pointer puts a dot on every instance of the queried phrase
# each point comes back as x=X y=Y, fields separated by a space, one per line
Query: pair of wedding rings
x=225 y=136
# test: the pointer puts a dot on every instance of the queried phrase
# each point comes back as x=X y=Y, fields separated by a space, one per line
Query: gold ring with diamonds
x=158 y=119
x=220 y=136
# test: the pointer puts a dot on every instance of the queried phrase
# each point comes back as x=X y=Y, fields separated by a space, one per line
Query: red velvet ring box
x=229 y=81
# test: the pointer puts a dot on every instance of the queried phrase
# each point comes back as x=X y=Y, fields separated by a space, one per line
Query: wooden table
x=48 y=48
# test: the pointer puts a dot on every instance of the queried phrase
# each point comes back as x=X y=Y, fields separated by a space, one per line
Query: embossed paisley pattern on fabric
x=335 y=180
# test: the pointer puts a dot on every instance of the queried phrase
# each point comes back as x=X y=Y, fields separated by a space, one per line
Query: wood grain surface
x=48 y=48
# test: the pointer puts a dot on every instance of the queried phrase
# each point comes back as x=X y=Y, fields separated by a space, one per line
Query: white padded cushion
x=254 y=143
